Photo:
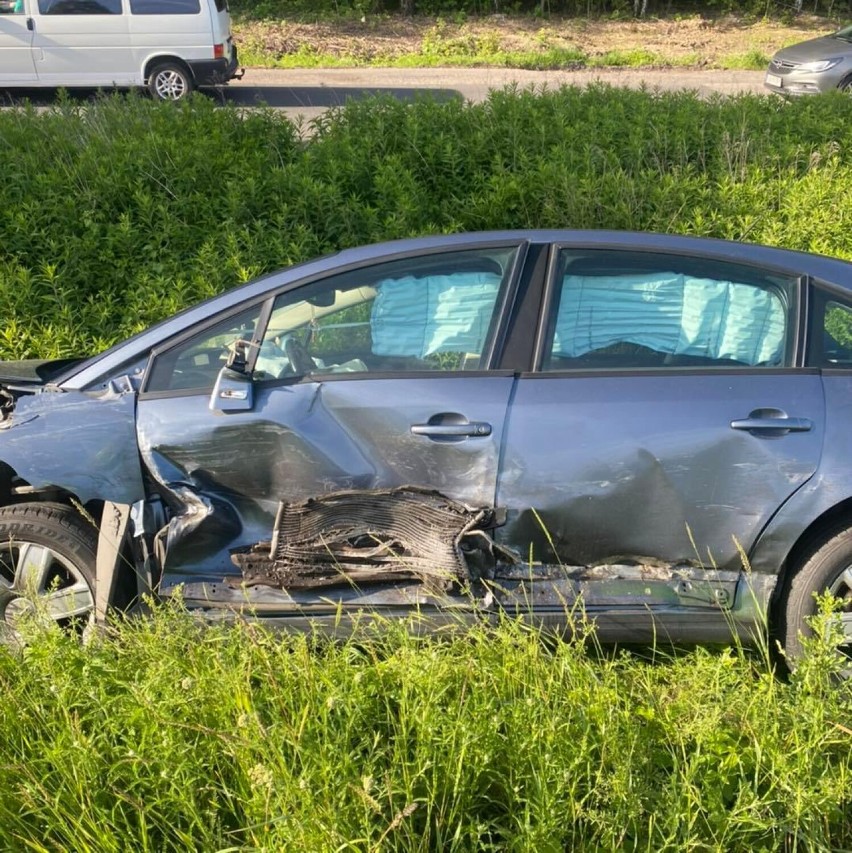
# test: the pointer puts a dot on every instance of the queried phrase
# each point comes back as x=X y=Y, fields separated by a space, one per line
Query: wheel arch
x=819 y=531
x=162 y=59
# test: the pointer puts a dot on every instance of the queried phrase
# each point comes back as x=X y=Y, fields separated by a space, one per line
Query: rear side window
x=630 y=310
x=165 y=7
x=79 y=7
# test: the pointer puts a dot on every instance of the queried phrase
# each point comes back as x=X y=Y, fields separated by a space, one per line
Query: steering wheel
x=300 y=359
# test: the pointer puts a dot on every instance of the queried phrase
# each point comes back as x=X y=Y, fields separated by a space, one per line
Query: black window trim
x=820 y=293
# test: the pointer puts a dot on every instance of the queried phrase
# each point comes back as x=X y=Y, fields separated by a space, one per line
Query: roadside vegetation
x=166 y=735
x=527 y=35
x=117 y=213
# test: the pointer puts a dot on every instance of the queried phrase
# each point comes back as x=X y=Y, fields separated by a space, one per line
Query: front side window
x=195 y=363
x=427 y=313
x=79 y=7
x=638 y=310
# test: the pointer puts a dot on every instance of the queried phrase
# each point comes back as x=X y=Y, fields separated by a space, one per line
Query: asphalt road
x=308 y=92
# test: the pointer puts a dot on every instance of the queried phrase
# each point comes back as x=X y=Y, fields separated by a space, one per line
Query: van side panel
x=187 y=37
x=74 y=44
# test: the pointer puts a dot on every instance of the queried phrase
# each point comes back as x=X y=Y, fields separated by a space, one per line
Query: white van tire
x=170 y=81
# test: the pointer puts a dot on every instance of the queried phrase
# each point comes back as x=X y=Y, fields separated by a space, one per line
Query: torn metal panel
x=314 y=438
x=358 y=537
x=200 y=526
x=83 y=443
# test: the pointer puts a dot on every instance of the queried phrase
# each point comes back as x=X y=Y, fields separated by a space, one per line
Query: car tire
x=170 y=81
x=828 y=568
x=47 y=565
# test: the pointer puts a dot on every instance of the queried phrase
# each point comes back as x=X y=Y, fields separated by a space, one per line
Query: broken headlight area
x=376 y=536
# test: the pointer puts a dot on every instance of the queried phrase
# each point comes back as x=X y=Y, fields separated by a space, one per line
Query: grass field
x=166 y=735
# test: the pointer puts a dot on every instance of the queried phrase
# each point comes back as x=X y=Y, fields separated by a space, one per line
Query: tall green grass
x=116 y=213
x=167 y=735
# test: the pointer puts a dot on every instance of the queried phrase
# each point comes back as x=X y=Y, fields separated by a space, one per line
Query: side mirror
x=234 y=389
x=233 y=392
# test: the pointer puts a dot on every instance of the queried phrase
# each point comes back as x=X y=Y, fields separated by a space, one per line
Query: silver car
x=818 y=65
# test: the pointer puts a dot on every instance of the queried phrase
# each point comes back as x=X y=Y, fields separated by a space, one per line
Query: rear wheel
x=829 y=568
x=47 y=565
x=170 y=81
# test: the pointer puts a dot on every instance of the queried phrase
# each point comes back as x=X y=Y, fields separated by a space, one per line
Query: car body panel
x=309 y=438
x=81 y=443
x=593 y=474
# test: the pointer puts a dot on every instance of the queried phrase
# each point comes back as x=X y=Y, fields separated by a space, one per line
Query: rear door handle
x=772 y=422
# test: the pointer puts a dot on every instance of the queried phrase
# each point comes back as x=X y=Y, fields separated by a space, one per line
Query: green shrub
x=116 y=213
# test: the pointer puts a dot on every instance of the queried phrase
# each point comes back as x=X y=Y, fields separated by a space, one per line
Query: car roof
x=833 y=271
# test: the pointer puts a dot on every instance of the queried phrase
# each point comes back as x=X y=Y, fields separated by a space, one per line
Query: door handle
x=469 y=429
x=30 y=24
x=772 y=422
x=449 y=426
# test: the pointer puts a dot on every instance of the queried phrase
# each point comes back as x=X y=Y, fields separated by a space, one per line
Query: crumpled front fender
x=81 y=442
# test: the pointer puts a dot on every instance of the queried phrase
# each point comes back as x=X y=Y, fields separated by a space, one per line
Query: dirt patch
x=694 y=40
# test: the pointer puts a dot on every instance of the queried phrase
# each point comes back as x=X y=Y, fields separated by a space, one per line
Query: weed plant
x=168 y=735
x=118 y=212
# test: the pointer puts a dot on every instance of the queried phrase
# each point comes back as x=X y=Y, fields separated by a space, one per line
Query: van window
x=79 y=7
x=165 y=7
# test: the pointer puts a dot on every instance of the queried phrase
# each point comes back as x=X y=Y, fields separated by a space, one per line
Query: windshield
x=844 y=34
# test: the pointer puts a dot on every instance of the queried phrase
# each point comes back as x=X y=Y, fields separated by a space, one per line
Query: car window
x=79 y=7
x=427 y=313
x=837 y=335
x=196 y=362
x=165 y=7
x=637 y=310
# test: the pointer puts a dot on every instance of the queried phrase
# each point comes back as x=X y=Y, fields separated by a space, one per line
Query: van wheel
x=170 y=82
x=829 y=568
x=47 y=566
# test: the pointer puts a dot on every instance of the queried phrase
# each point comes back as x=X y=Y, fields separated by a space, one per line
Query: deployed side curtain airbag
x=670 y=313
x=440 y=313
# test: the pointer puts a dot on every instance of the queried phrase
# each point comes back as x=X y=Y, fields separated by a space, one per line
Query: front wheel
x=47 y=565
x=170 y=82
x=829 y=568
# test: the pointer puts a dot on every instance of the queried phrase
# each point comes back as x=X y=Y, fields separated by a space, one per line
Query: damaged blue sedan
x=655 y=428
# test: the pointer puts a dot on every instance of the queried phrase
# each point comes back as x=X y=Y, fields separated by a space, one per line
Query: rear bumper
x=214 y=72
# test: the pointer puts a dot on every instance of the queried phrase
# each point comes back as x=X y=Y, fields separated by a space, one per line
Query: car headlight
x=819 y=65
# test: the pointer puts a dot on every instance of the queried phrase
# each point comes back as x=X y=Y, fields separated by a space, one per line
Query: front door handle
x=470 y=429
x=772 y=422
x=30 y=24
x=450 y=426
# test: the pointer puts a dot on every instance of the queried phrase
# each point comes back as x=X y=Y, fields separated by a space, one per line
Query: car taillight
x=218 y=51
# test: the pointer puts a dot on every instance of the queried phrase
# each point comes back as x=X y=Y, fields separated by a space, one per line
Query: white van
x=170 y=46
